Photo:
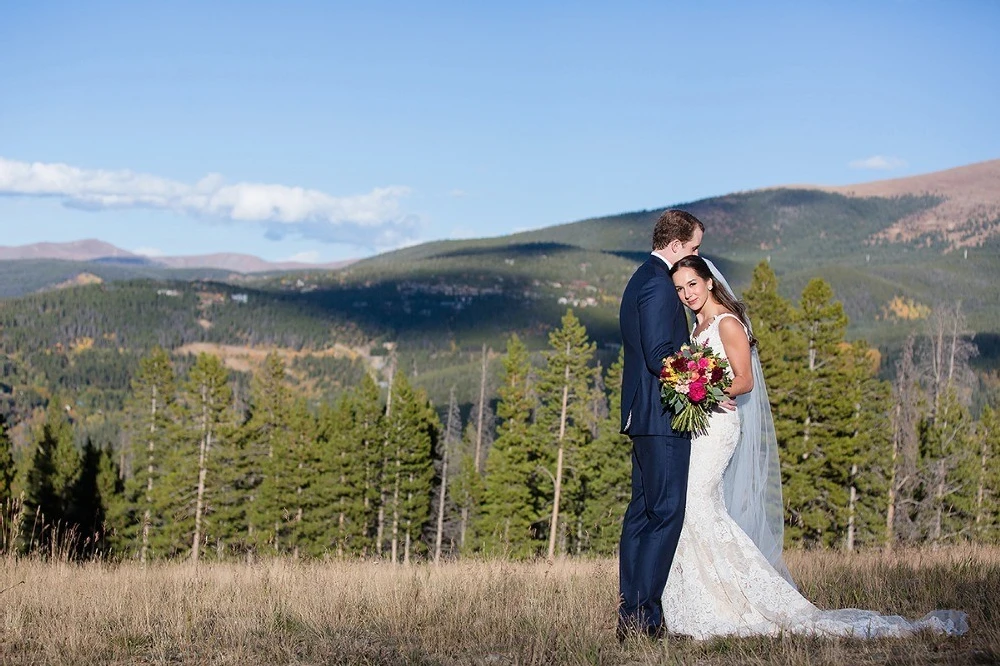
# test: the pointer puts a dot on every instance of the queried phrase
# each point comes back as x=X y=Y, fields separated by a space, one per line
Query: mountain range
x=94 y=250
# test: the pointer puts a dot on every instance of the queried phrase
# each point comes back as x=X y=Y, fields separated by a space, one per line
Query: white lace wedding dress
x=720 y=584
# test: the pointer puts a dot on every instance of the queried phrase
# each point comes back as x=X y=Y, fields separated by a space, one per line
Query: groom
x=653 y=325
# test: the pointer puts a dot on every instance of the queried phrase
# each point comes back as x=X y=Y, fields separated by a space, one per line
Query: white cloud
x=148 y=251
x=879 y=162
x=371 y=220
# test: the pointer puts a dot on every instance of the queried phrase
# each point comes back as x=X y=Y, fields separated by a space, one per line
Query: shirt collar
x=669 y=265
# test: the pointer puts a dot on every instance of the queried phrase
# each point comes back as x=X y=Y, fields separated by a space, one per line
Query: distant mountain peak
x=86 y=249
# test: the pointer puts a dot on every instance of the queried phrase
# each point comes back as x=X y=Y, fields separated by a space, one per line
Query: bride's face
x=692 y=289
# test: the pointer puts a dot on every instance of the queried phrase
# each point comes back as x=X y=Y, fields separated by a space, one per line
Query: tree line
x=538 y=467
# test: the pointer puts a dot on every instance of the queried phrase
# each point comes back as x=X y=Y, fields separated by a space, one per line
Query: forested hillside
x=882 y=352
x=205 y=464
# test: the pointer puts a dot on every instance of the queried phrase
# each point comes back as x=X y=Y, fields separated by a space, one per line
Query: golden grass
x=470 y=612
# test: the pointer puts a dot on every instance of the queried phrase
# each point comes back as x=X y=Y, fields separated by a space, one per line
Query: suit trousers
x=651 y=527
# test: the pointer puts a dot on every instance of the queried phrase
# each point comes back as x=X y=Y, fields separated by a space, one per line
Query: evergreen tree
x=342 y=499
x=295 y=479
x=88 y=507
x=208 y=401
x=151 y=414
x=811 y=468
x=54 y=473
x=605 y=470
x=779 y=342
x=266 y=432
x=863 y=457
x=781 y=348
x=110 y=492
x=412 y=433
x=467 y=488
x=367 y=442
x=565 y=422
x=987 y=512
x=510 y=511
x=948 y=469
x=7 y=467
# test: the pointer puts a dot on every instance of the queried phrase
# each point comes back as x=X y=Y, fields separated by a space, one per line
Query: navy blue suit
x=653 y=326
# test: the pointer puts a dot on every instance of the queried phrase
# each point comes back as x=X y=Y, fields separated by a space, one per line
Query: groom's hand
x=728 y=405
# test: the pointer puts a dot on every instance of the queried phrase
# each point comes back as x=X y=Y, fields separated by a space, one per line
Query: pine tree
x=110 y=491
x=209 y=401
x=265 y=434
x=54 y=473
x=948 y=471
x=367 y=441
x=467 y=488
x=814 y=492
x=341 y=511
x=864 y=457
x=780 y=346
x=412 y=434
x=87 y=506
x=779 y=342
x=605 y=471
x=564 y=420
x=151 y=420
x=987 y=512
x=510 y=513
x=298 y=475
x=7 y=467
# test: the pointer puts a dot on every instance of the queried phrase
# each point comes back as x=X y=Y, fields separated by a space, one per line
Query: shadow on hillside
x=514 y=249
x=988 y=345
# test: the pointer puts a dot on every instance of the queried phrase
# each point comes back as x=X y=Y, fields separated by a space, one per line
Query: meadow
x=463 y=612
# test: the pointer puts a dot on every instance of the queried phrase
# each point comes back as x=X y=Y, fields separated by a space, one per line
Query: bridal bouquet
x=692 y=382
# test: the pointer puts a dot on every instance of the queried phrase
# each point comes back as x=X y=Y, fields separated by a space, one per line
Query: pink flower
x=692 y=365
x=703 y=362
x=696 y=392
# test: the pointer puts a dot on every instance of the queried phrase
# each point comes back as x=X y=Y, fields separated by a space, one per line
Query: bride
x=728 y=577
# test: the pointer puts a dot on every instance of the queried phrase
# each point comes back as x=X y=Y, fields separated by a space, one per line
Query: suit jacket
x=653 y=326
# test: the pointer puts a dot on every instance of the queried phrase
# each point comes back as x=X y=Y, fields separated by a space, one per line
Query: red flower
x=717 y=375
x=696 y=391
x=679 y=364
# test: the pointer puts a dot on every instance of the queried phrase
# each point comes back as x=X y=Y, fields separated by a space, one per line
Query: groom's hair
x=675 y=224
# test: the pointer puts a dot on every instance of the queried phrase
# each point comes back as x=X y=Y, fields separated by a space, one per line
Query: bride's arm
x=734 y=339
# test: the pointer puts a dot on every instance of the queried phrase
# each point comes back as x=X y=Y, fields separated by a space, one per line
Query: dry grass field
x=480 y=612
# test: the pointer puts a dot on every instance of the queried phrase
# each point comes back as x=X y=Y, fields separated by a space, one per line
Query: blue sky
x=328 y=130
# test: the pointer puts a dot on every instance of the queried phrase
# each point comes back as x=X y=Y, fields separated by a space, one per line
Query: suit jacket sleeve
x=662 y=324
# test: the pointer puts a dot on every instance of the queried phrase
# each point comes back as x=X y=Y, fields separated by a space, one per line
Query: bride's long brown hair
x=728 y=301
